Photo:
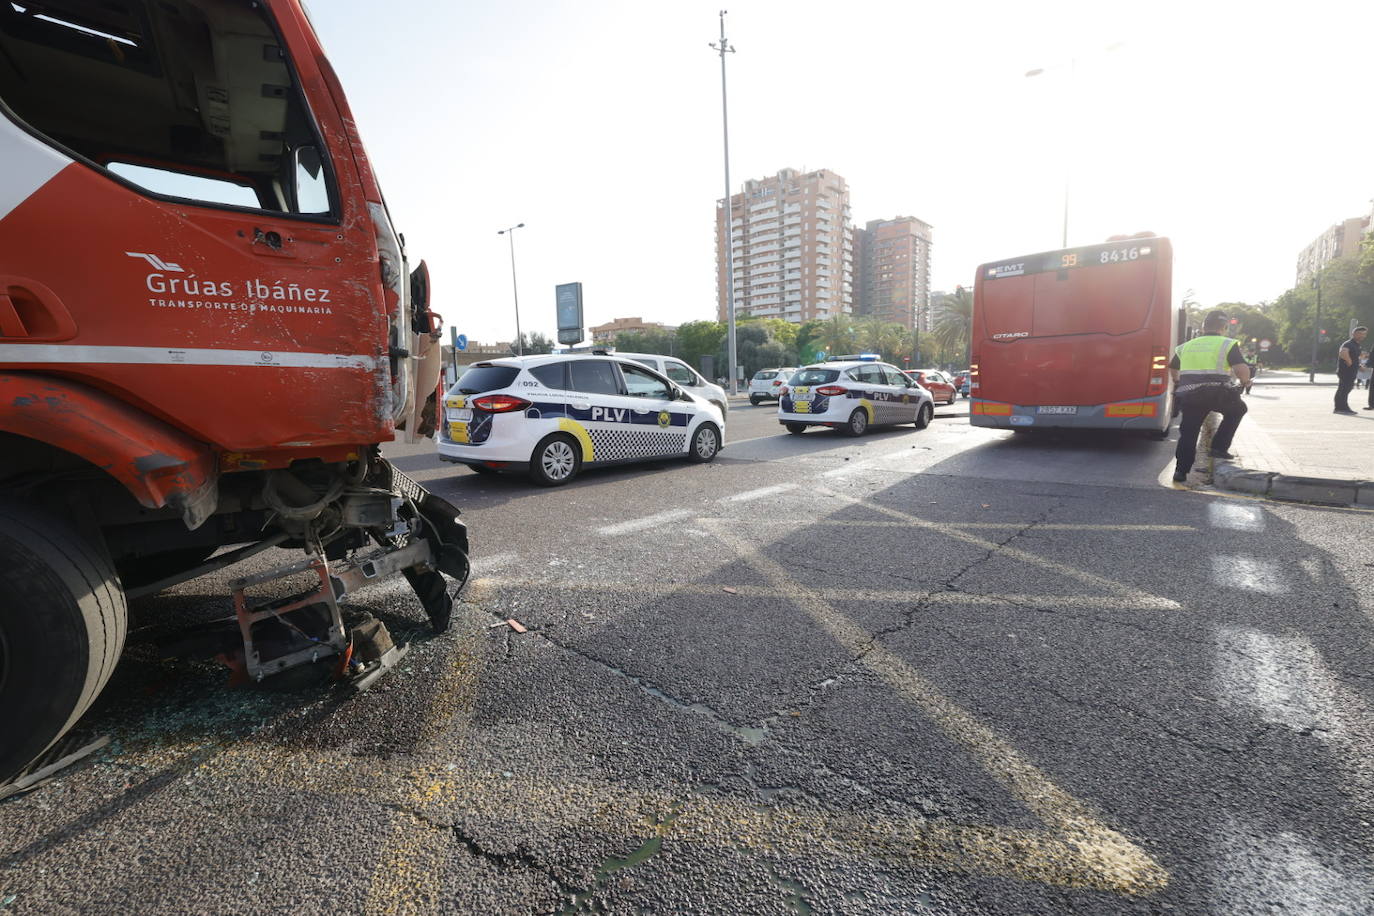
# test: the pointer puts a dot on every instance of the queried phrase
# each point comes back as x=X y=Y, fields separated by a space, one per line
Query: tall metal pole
x=515 y=287
x=1316 y=330
x=724 y=48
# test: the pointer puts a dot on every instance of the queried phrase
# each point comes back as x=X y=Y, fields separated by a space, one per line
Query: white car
x=684 y=375
x=553 y=415
x=852 y=394
x=766 y=382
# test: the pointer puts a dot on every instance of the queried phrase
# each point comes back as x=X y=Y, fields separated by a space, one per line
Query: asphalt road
x=940 y=671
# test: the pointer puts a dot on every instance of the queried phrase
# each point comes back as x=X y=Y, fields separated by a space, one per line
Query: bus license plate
x=1064 y=410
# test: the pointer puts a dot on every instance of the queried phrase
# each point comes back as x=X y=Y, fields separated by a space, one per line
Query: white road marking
x=1249 y=574
x=1235 y=516
x=760 y=493
x=1285 y=682
x=493 y=561
x=1281 y=874
x=648 y=521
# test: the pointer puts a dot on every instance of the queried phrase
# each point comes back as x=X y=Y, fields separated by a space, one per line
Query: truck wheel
x=555 y=461
x=923 y=416
x=858 y=423
x=705 y=444
x=62 y=624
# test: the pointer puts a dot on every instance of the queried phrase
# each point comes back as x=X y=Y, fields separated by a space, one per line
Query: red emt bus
x=1076 y=338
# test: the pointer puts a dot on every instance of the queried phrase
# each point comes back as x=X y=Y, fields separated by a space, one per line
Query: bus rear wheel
x=62 y=624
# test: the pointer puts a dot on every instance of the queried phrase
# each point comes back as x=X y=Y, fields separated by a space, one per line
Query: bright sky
x=1240 y=130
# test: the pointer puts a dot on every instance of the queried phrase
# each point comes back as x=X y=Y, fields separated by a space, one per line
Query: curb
x=1326 y=491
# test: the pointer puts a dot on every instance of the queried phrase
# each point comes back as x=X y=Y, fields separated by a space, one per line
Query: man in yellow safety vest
x=1201 y=370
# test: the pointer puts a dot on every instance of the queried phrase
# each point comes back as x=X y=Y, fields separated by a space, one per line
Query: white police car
x=852 y=393
x=553 y=415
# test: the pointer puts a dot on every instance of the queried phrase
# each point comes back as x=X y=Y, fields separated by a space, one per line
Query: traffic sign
x=460 y=341
x=1266 y=344
x=820 y=354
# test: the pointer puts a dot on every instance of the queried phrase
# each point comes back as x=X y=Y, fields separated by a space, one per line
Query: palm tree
x=837 y=334
x=954 y=322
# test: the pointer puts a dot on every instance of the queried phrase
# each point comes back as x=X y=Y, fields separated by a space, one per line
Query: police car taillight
x=830 y=391
x=499 y=403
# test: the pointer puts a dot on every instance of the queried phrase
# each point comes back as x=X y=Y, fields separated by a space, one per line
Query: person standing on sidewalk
x=1347 y=367
x=1201 y=370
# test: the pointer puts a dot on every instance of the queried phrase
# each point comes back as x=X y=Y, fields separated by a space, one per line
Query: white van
x=681 y=373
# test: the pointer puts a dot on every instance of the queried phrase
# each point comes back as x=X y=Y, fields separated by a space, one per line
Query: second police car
x=553 y=415
x=852 y=393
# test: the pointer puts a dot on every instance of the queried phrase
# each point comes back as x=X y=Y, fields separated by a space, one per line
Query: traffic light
x=1323 y=332
x=1235 y=321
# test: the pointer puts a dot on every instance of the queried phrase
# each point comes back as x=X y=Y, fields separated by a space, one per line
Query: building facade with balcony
x=792 y=243
x=1340 y=241
x=892 y=259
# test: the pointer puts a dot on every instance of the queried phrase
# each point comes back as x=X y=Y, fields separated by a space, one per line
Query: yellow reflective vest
x=1203 y=361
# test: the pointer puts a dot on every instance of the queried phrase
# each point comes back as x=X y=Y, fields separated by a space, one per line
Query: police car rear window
x=815 y=376
x=553 y=375
x=486 y=378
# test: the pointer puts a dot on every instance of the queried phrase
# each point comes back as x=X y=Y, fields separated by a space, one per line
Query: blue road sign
x=460 y=341
x=820 y=354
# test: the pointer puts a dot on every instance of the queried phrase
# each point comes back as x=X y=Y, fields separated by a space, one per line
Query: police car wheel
x=555 y=461
x=858 y=423
x=705 y=443
x=923 y=416
x=795 y=429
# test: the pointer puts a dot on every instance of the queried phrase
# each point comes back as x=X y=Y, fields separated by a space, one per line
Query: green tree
x=837 y=335
x=696 y=339
x=534 y=343
x=808 y=341
x=953 y=327
x=652 y=340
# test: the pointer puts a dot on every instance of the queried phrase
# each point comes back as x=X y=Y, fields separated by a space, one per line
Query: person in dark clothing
x=1347 y=367
x=1201 y=370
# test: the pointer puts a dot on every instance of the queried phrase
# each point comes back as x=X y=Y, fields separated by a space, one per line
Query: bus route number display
x=1094 y=256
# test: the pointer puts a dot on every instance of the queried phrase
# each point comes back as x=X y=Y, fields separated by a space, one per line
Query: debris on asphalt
x=516 y=625
x=729 y=591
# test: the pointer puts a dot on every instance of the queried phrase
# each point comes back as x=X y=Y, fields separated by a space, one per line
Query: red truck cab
x=207 y=326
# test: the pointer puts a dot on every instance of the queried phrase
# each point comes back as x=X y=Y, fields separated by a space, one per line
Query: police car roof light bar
x=855 y=357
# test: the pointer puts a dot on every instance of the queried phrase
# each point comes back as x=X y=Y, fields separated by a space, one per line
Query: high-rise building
x=892 y=260
x=793 y=247
x=1340 y=241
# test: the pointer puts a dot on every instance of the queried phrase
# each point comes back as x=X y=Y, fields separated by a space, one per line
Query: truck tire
x=62 y=625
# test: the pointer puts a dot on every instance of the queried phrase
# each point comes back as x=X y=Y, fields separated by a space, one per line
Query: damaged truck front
x=207 y=326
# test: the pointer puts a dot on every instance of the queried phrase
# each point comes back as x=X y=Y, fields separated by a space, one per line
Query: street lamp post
x=727 y=211
x=1316 y=329
x=515 y=287
x=1068 y=165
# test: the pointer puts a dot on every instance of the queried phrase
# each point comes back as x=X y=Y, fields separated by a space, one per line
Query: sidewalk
x=1291 y=446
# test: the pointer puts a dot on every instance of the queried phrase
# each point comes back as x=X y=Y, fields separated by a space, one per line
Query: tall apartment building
x=793 y=247
x=1340 y=241
x=892 y=259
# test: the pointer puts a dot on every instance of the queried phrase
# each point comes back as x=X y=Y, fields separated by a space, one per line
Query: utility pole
x=509 y=233
x=727 y=212
x=1316 y=329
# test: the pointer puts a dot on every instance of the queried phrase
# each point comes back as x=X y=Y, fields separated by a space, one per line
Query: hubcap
x=858 y=422
x=706 y=442
x=558 y=460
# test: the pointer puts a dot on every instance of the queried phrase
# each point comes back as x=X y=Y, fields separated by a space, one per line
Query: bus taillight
x=1159 y=372
x=973 y=375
